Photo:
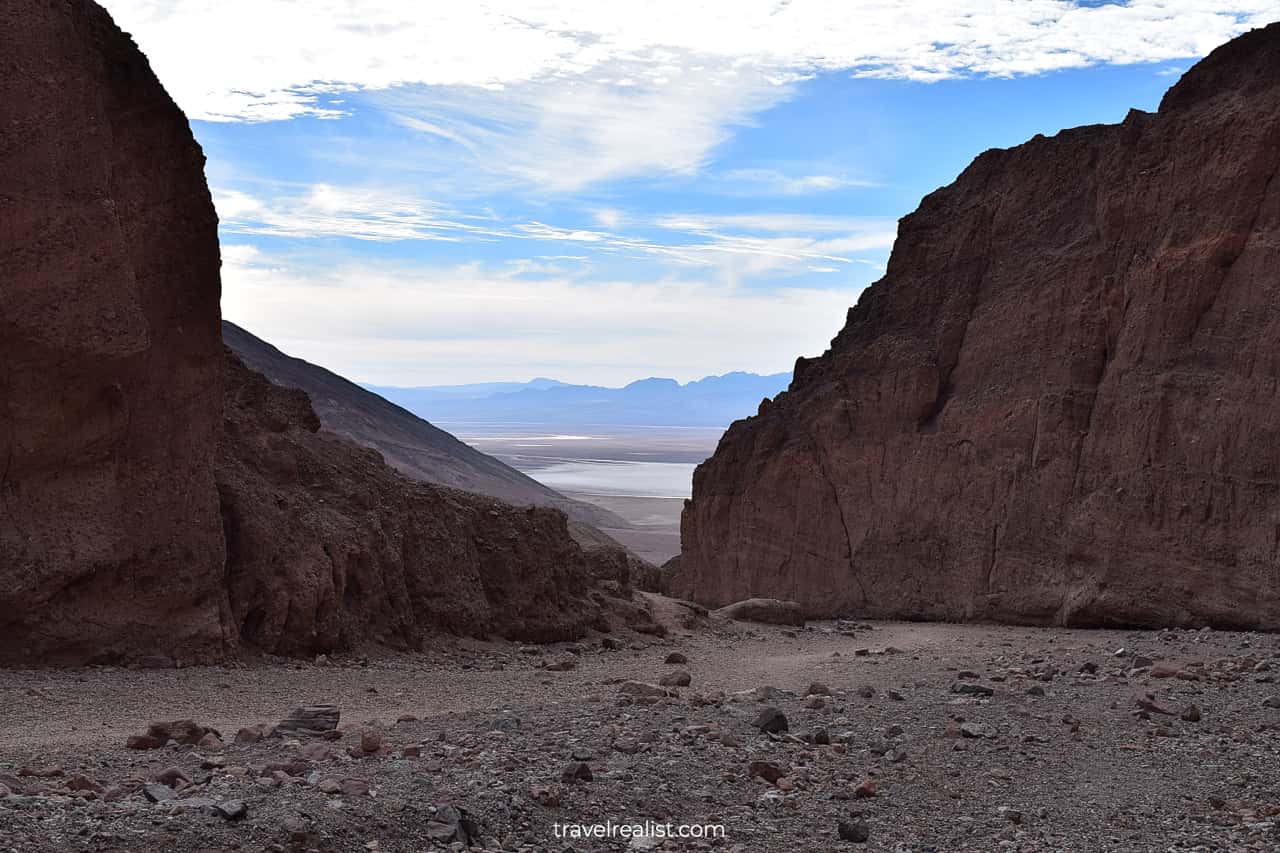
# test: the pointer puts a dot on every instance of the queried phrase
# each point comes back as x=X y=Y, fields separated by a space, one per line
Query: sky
x=425 y=193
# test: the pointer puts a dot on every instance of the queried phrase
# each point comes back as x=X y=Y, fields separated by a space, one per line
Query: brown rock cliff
x=110 y=352
x=139 y=516
x=1060 y=405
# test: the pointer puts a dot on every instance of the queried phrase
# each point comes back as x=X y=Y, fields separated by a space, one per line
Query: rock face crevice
x=1060 y=403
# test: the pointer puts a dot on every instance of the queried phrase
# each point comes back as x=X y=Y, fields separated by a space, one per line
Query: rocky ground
x=897 y=737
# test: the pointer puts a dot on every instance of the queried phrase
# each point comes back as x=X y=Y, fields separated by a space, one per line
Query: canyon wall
x=110 y=351
x=159 y=502
x=1059 y=405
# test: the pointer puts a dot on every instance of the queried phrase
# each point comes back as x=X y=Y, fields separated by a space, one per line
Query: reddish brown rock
x=1060 y=405
x=327 y=546
x=111 y=377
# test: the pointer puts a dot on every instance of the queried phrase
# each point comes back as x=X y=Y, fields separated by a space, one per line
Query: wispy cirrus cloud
x=773 y=182
x=735 y=243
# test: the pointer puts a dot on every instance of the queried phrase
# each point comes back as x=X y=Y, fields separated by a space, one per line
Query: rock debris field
x=833 y=736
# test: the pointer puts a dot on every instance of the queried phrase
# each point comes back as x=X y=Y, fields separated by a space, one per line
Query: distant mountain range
x=407 y=442
x=715 y=401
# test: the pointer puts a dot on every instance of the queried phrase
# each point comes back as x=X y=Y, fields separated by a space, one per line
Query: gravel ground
x=932 y=737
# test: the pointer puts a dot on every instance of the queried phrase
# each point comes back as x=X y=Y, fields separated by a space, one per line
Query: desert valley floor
x=909 y=736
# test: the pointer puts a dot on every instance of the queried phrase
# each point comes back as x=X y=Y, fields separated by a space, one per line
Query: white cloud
x=323 y=210
x=736 y=244
x=772 y=182
x=416 y=325
x=564 y=93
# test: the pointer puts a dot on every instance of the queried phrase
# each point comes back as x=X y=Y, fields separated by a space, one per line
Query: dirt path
x=973 y=738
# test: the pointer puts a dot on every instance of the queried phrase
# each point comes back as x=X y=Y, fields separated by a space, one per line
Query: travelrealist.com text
x=645 y=829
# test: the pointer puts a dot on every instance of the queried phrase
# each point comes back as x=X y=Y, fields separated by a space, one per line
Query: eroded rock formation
x=141 y=519
x=1061 y=403
x=327 y=546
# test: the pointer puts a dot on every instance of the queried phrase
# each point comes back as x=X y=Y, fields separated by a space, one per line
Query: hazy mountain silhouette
x=712 y=402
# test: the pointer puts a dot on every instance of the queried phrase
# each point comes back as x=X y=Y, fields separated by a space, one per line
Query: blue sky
x=420 y=194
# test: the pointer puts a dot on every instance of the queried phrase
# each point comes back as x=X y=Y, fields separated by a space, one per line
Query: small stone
x=210 y=741
x=329 y=786
x=41 y=772
x=817 y=688
x=84 y=783
x=1035 y=690
x=676 y=658
x=1012 y=815
x=626 y=745
x=856 y=831
x=143 y=742
x=865 y=789
x=866 y=691
x=766 y=770
x=771 y=721
x=577 y=771
x=563 y=663
x=679 y=678
x=158 y=793
x=311 y=719
x=976 y=730
x=411 y=751
x=354 y=787
x=545 y=796
x=252 y=734
x=640 y=688
x=370 y=741
x=172 y=777
x=1191 y=714
x=187 y=732
x=966 y=688
x=231 y=810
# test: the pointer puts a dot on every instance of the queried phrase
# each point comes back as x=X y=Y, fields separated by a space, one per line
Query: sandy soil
x=1057 y=757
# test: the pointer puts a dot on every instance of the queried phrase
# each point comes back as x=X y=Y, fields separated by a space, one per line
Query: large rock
x=1060 y=405
x=110 y=352
x=328 y=547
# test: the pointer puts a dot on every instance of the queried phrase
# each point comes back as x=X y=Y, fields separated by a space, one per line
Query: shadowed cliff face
x=1062 y=402
x=110 y=353
x=140 y=517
